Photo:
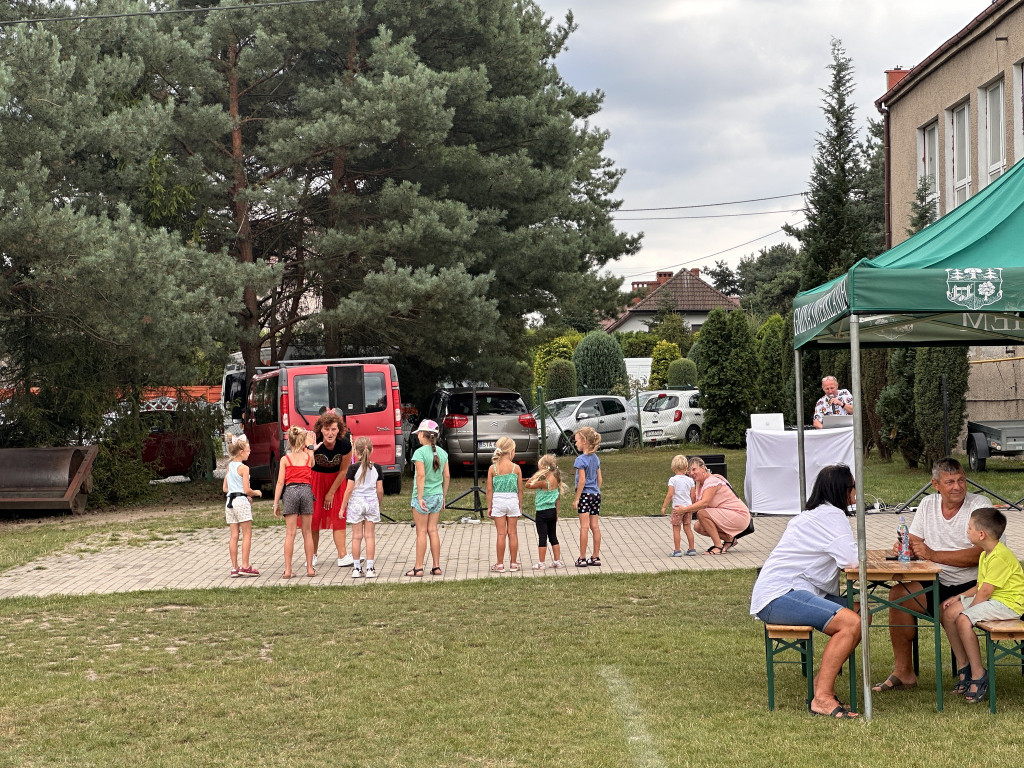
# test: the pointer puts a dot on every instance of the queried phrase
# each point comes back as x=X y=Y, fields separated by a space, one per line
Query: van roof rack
x=323 y=360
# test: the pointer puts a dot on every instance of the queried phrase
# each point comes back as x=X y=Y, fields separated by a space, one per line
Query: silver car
x=499 y=412
x=614 y=418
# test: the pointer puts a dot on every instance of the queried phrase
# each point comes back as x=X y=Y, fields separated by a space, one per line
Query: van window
x=375 y=391
x=310 y=393
x=265 y=397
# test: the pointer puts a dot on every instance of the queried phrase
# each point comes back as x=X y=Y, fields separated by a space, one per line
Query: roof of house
x=993 y=12
x=683 y=292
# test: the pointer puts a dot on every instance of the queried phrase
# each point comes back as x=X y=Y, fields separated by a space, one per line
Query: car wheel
x=632 y=438
x=565 y=444
x=202 y=466
x=693 y=434
x=975 y=462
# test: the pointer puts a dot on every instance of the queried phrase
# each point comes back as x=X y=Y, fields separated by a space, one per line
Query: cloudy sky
x=711 y=101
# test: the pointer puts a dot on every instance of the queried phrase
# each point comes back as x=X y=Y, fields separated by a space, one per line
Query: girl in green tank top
x=505 y=501
x=549 y=485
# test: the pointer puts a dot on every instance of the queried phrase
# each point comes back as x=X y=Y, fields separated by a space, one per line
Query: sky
x=711 y=101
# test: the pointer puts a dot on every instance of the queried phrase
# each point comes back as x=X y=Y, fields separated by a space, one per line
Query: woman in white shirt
x=799 y=583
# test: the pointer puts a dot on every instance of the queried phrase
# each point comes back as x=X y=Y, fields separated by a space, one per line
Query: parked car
x=296 y=392
x=174 y=442
x=499 y=411
x=613 y=417
x=672 y=416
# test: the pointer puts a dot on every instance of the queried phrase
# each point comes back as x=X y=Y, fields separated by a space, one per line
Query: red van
x=365 y=389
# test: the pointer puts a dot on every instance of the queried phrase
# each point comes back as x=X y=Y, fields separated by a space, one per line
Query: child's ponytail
x=433 y=448
x=363 y=449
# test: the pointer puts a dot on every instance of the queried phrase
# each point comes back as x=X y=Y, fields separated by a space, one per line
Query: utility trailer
x=992 y=438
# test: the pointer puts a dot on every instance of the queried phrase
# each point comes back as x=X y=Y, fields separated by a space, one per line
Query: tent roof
x=958 y=281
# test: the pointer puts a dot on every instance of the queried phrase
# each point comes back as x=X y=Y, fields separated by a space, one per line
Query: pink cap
x=428 y=426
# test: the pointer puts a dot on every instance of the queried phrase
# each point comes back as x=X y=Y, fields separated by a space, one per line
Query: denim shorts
x=799 y=607
x=434 y=502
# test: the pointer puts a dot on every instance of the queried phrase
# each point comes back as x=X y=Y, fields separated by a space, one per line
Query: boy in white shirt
x=680 y=494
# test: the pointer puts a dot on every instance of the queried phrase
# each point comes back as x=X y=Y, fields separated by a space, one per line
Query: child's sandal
x=581 y=562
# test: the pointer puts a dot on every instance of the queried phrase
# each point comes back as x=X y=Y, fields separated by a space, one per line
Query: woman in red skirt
x=330 y=462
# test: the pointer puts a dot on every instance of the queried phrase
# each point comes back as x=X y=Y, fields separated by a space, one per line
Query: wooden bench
x=997 y=633
x=779 y=638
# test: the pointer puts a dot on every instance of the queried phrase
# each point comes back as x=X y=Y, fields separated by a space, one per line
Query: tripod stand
x=476 y=491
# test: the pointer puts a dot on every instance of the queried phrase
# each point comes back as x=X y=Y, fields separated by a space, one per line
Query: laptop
x=835 y=422
x=773 y=422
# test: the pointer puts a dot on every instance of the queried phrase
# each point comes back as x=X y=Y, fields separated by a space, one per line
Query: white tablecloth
x=772 y=484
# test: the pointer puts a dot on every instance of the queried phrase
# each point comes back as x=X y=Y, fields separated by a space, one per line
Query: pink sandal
x=498 y=568
x=514 y=567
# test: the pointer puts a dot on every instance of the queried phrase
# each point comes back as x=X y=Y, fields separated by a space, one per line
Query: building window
x=929 y=165
x=993 y=141
x=960 y=154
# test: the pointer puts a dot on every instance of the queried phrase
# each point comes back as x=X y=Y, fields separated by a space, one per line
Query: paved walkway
x=198 y=560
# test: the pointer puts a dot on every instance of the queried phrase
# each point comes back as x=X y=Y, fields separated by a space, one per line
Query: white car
x=611 y=416
x=671 y=416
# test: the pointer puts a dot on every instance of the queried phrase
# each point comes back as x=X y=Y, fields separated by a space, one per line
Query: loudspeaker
x=345 y=388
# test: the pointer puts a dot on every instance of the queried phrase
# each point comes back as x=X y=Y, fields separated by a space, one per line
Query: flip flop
x=839 y=713
x=893 y=683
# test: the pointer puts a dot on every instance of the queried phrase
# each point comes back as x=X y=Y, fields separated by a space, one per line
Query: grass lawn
x=654 y=670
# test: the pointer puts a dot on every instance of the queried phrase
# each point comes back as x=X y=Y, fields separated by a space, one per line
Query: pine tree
x=930 y=365
x=833 y=238
x=923 y=207
x=895 y=407
x=770 y=385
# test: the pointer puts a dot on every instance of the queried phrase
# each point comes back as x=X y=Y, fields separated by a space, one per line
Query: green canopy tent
x=959 y=281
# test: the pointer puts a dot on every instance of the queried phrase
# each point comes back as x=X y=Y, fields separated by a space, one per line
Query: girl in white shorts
x=364 y=495
x=237 y=508
x=505 y=501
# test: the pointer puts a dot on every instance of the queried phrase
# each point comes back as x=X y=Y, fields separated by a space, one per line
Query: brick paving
x=198 y=560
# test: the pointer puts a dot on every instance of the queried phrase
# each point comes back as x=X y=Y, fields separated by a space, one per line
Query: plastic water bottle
x=903 y=541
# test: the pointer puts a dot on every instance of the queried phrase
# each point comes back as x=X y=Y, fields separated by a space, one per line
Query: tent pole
x=858 y=476
x=801 y=470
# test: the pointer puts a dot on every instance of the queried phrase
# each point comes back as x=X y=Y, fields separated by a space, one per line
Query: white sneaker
x=357 y=572
x=371 y=574
x=558 y=564
x=316 y=560
x=346 y=561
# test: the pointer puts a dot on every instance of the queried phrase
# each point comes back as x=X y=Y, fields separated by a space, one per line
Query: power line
x=708 y=256
x=710 y=205
x=708 y=216
x=167 y=11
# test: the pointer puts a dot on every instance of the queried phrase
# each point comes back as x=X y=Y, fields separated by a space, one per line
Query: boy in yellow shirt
x=999 y=594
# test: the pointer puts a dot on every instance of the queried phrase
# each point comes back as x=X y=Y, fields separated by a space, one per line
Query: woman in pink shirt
x=721 y=514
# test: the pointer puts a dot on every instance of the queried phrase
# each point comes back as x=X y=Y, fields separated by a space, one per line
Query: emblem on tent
x=973 y=287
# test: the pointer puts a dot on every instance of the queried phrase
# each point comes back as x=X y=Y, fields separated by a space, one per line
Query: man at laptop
x=836 y=401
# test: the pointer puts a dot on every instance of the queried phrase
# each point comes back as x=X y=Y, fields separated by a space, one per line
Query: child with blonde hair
x=547 y=481
x=294 y=480
x=364 y=496
x=238 y=507
x=587 y=502
x=430 y=470
x=505 y=501
x=681 y=493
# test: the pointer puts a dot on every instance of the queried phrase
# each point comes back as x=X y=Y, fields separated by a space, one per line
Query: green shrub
x=929 y=367
x=682 y=374
x=599 y=363
x=637 y=343
x=556 y=349
x=664 y=353
x=771 y=392
x=896 y=407
x=727 y=357
x=561 y=380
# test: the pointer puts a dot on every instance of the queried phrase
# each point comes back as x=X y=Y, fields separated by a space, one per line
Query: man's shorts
x=590 y=504
x=363 y=510
x=240 y=511
x=945 y=592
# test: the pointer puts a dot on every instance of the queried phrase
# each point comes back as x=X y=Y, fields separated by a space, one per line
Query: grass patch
x=626 y=670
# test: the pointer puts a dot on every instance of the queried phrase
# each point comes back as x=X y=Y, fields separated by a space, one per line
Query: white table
x=772 y=484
